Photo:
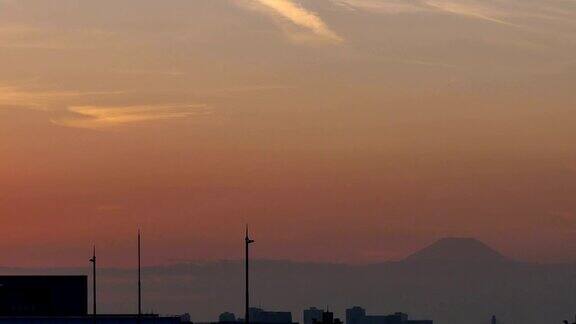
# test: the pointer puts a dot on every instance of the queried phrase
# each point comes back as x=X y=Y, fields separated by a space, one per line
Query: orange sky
x=341 y=130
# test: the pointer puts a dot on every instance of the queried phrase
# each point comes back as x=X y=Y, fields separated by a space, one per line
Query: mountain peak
x=457 y=250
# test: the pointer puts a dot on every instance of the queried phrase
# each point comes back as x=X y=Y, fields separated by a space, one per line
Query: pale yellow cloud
x=302 y=17
x=96 y=117
x=89 y=116
x=13 y=96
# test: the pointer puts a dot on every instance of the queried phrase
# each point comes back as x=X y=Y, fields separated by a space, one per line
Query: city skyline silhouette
x=464 y=267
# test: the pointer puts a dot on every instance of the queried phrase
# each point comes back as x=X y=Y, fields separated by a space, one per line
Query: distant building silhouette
x=357 y=315
x=385 y=319
x=259 y=316
x=312 y=315
x=185 y=318
x=227 y=317
x=328 y=318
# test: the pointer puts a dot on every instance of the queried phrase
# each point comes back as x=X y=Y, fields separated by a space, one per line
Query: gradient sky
x=341 y=130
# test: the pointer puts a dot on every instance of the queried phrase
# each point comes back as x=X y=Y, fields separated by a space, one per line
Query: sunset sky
x=341 y=130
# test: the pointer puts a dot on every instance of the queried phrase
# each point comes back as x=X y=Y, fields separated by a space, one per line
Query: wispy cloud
x=70 y=108
x=427 y=63
x=472 y=11
x=97 y=117
x=13 y=96
x=302 y=17
x=33 y=37
x=379 y=6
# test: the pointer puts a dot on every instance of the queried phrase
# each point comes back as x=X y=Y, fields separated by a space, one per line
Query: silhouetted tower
x=139 y=282
x=93 y=260
x=247 y=242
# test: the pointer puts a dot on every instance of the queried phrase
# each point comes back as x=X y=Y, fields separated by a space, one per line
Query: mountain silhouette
x=457 y=250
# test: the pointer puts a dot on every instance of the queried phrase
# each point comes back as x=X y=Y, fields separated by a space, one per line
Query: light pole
x=93 y=260
x=247 y=242
x=139 y=283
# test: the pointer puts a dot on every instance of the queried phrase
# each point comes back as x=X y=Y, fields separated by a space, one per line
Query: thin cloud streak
x=97 y=117
x=470 y=10
x=22 y=36
x=302 y=18
x=385 y=7
x=12 y=96
x=477 y=12
x=70 y=109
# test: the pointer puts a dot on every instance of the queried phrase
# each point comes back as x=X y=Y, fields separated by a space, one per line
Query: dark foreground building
x=57 y=300
x=100 y=319
x=43 y=295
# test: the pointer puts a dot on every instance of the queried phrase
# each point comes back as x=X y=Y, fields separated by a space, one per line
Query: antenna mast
x=93 y=260
x=139 y=282
x=247 y=242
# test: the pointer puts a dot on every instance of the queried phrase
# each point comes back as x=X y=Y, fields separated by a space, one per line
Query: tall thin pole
x=139 y=282
x=93 y=260
x=247 y=241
